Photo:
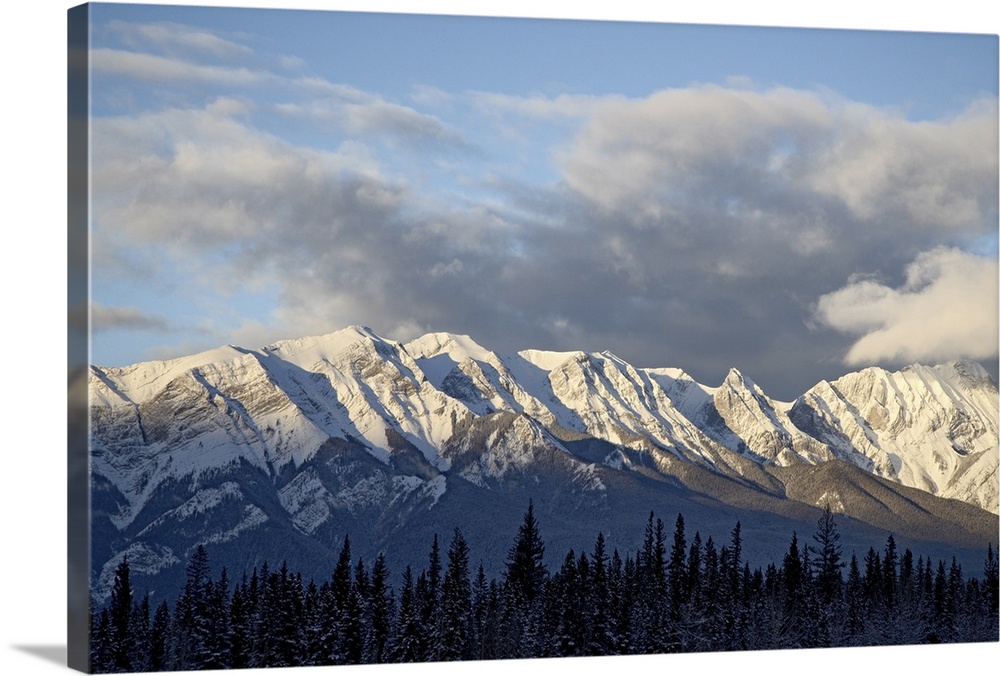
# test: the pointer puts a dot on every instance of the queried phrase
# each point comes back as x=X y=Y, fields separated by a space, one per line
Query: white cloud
x=946 y=309
x=162 y=69
x=382 y=117
x=201 y=177
x=541 y=107
x=331 y=105
x=335 y=107
x=941 y=173
x=178 y=39
x=682 y=148
x=647 y=154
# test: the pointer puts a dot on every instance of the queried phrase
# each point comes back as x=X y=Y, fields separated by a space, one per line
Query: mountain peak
x=353 y=332
x=971 y=372
x=734 y=378
x=549 y=360
x=459 y=346
x=323 y=346
x=608 y=354
x=960 y=373
x=143 y=380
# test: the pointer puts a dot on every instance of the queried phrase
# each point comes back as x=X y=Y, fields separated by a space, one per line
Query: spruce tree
x=889 y=572
x=620 y=593
x=240 y=626
x=792 y=630
x=312 y=626
x=421 y=596
x=341 y=583
x=193 y=615
x=828 y=577
x=454 y=629
x=567 y=625
x=956 y=596
x=121 y=617
x=482 y=616
x=217 y=643
x=598 y=603
x=991 y=580
x=491 y=637
x=429 y=598
x=525 y=568
x=268 y=641
x=944 y=611
x=336 y=601
x=736 y=550
x=693 y=575
x=139 y=628
x=354 y=626
x=102 y=644
x=430 y=595
x=434 y=568
x=524 y=584
x=257 y=641
x=158 y=650
x=678 y=572
x=874 y=588
x=711 y=615
x=380 y=613
x=406 y=644
x=856 y=604
x=722 y=634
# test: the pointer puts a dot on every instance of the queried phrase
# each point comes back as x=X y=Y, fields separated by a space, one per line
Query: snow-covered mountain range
x=287 y=447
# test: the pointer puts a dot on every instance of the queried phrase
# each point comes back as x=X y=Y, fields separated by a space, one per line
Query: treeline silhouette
x=672 y=595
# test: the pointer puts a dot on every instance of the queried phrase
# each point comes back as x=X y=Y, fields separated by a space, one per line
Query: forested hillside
x=674 y=593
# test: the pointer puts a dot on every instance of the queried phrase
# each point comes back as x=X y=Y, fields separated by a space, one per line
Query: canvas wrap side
x=78 y=496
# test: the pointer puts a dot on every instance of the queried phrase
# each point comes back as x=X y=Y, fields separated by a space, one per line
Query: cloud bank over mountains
x=240 y=196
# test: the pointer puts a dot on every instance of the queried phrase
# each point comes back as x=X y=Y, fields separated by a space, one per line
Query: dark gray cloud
x=696 y=228
x=104 y=318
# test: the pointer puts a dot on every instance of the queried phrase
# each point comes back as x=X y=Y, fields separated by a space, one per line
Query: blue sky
x=925 y=73
x=792 y=202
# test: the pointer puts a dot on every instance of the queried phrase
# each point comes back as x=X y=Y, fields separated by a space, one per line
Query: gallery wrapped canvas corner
x=402 y=338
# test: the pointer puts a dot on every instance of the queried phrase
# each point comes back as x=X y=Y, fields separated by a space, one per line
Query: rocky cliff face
x=932 y=428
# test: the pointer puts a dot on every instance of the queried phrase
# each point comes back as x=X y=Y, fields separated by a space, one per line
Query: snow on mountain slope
x=141 y=382
x=271 y=407
x=664 y=410
x=572 y=393
x=933 y=428
x=211 y=416
x=380 y=386
x=758 y=425
x=438 y=354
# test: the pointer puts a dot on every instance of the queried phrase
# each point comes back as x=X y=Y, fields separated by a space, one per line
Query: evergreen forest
x=673 y=593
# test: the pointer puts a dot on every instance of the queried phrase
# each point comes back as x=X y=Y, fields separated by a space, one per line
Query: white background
x=33 y=348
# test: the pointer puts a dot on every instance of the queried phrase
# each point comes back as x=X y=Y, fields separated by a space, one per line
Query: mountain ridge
x=518 y=379
x=244 y=441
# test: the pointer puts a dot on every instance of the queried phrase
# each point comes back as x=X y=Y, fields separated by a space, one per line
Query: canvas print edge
x=77 y=553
